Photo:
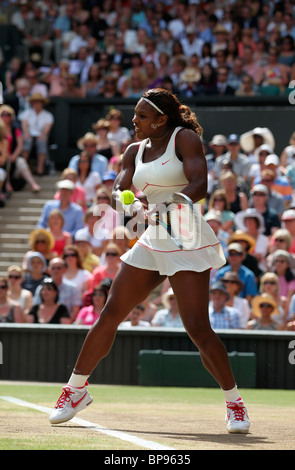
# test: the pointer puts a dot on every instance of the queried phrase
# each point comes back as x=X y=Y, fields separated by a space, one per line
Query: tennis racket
x=182 y=221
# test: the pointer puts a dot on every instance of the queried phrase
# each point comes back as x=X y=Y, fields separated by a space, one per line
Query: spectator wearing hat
x=72 y=212
x=89 y=260
x=240 y=162
x=275 y=200
x=288 y=222
x=78 y=194
x=281 y=183
x=88 y=144
x=36 y=269
x=251 y=140
x=248 y=244
x=222 y=316
x=108 y=179
x=214 y=218
x=258 y=166
x=218 y=145
x=259 y=198
x=169 y=315
x=236 y=256
x=36 y=124
x=264 y=307
x=233 y=286
x=252 y=222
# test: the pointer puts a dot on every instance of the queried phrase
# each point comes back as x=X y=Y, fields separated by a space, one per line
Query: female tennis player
x=169 y=158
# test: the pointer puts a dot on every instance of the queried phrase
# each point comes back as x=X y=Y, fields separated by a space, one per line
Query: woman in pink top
x=89 y=315
x=112 y=263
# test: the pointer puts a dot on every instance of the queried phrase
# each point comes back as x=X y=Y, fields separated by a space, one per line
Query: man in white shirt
x=36 y=125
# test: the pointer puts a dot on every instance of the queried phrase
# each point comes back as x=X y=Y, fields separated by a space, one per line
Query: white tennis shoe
x=237 y=417
x=71 y=401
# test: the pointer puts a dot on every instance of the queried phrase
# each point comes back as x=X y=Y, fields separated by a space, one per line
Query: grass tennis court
x=176 y=418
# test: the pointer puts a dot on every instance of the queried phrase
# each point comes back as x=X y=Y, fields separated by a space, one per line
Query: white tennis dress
x=155 y=250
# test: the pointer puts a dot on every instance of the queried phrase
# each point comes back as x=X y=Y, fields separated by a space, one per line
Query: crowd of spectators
x=120 y=48
x=112 y=49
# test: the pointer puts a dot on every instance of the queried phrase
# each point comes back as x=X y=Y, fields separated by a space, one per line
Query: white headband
x=153 y=104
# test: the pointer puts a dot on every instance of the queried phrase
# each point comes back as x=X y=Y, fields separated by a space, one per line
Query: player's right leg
x=130 y=287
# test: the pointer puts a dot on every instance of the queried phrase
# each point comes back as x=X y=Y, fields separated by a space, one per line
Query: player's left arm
x=189 y=150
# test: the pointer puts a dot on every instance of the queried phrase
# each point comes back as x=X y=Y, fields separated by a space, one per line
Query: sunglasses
x=71 y=255
x=40 y=241
x=280 y=240
x=234 y=254
x=12 y=276
x=58 y=268
x=229 y=281
x=265 y=305
x=3 y=287
x=273 y=283
x=111 y=254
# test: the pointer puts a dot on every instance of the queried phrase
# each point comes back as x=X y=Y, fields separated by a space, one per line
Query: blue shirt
x=228 y=317
x=245 y=275
x=99 y=163
x=73 y=215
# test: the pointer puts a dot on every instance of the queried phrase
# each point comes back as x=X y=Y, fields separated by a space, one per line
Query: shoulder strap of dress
x=171 y=143
x=140 y=151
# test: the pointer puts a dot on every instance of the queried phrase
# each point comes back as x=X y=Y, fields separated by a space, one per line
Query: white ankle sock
x=78 y=381
x=232 y=395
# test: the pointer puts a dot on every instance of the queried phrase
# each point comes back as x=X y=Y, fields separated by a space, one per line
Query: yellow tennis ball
x=127 y=197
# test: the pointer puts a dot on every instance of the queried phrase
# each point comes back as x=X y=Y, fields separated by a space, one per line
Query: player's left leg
x=192 y=293
x=130 y=287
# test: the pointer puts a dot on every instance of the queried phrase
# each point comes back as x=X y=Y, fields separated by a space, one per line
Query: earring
x=154 y=126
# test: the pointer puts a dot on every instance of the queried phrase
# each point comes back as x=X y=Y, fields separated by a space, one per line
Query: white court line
x=150 y=445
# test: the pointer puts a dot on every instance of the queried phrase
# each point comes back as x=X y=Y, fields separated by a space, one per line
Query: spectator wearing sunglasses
x=10 y=312
x=75 y=274
x=16 y=292
x=112 y=263
x=269 y=284
x=264 y=308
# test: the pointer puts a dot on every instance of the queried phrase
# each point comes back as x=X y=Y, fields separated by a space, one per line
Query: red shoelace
x=238 y=411
x=65 y=397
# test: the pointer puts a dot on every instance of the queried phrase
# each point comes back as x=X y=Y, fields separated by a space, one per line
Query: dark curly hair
x=178 y=114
